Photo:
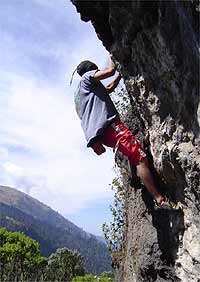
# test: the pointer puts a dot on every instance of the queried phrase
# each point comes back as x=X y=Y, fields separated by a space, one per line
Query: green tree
x=114 y=232
x=104 y=277
x=20 y=257
x=64 y=265
x=85 y=278
x=108 y=274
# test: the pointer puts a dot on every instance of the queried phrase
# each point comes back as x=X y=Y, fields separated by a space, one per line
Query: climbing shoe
x=166 y=204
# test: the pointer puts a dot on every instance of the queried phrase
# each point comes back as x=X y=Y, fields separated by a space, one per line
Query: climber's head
x=85 y=66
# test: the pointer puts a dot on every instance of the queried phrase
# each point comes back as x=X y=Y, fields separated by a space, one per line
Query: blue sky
x=42 y=148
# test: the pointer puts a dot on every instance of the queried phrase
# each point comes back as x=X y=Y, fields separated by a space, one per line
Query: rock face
x=155 y=44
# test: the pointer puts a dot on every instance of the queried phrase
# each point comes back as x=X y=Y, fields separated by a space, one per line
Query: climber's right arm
x=109 y=71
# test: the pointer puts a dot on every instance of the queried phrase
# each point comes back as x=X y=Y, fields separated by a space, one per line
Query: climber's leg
x=120 y=136
x=146 y=177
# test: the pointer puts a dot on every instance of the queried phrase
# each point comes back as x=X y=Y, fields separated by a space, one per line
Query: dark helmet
x=85 y=66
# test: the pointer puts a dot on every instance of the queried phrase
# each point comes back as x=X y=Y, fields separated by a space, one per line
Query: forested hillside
x=20 y=212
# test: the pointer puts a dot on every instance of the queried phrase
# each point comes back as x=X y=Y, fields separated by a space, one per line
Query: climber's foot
x=165 y=203
x=159 y=200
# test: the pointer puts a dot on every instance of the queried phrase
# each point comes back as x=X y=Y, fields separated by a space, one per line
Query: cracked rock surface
x=156 y=47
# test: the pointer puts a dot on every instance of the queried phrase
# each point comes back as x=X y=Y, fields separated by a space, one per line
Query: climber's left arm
x=111 y=86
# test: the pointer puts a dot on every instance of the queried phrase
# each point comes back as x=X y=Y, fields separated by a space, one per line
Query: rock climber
x=101 y=123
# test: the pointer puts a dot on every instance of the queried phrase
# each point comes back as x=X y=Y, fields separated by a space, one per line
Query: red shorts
x=118 y=136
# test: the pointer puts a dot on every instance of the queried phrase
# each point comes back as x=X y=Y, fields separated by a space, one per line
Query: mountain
x=20 y=212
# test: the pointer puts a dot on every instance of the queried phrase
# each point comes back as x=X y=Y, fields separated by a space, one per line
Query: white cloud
x=42 y=147
x=13 y=169
x=54 y=164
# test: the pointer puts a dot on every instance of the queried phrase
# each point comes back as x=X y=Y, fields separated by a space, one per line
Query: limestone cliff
x=155 y=44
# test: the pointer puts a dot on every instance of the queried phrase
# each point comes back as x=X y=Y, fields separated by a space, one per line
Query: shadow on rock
x=170 y=230
x=169 y=224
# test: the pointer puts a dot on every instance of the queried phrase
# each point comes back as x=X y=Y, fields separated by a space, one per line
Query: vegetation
x=113 y=232
x=19 y=212
x=104 y=277
x=64 y=265
x=121 y=100
x=20 y=257
x=21 y=260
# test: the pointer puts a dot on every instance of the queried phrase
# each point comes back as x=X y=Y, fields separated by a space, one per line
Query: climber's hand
x=98 y=148
x=107 y=72
x=111 y=63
